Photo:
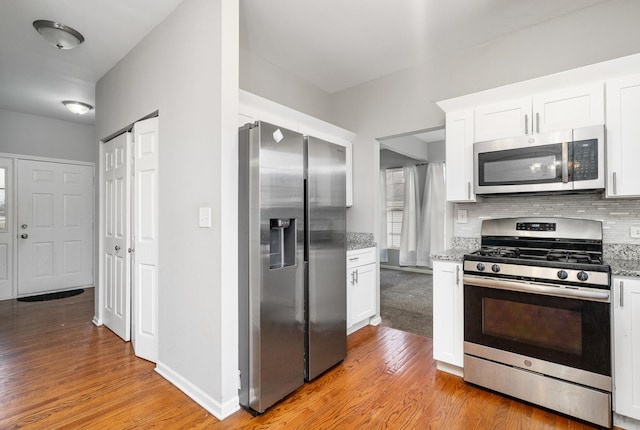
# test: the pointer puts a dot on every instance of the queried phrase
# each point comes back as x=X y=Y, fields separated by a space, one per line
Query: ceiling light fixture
x=59 y=35
x=78 y=108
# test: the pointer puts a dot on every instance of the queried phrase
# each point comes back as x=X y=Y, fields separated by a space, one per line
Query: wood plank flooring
x=58 y=370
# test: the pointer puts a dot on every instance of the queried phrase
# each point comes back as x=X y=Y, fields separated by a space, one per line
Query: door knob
x=117 y=248
x=24 y=235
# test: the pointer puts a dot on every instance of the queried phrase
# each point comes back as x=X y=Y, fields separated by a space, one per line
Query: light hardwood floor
x=58 y=370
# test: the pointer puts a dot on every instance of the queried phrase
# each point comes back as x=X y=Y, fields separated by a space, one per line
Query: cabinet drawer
x=358 y=257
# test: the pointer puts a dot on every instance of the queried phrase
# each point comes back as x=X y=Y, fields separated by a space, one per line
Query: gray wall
x=187 y=69
x=405 y=101
x=46 y=137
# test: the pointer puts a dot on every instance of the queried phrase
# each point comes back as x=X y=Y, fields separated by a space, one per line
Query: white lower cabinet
x=626 y=346
x=448 y=314
x=361 y=285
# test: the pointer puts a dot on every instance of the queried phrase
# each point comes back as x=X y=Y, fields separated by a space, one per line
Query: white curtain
x=382 y=231
x=431 y=239
x=410 y=218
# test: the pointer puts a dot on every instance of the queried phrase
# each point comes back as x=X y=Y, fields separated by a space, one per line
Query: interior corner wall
x=274 y=83
x=40 y=136
x=179 y=70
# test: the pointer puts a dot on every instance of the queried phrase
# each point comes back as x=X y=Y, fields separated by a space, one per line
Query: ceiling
x=35 y=77
x=336 y=44
x=333 y=44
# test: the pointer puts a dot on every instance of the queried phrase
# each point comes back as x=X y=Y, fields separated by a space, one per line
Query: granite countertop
x=459 y=247
x=622 y=267
x=359 y=241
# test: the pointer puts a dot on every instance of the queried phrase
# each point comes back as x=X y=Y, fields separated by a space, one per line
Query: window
x=395 y=205
x=3 y=206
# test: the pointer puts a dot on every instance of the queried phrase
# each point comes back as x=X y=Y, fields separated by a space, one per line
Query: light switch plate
x=204 y=217
x=462 y=216
x=635 y=231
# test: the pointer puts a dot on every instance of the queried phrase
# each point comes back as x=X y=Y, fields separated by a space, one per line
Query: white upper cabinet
x=623 y=137
x=561 y=109
x=568 y=108
x=459 y=156
x=502 y=120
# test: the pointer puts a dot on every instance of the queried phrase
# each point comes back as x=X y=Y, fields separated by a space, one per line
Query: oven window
x=541 y=326
x=571 y=332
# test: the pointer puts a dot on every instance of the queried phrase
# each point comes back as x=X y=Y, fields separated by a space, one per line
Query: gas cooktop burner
x=573 y=257
x=491 y=251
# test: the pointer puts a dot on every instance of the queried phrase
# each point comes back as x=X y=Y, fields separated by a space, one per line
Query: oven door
x=524 y=164
x=571 y=331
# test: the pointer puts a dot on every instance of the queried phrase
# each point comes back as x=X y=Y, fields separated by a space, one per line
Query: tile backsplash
x=617 y=216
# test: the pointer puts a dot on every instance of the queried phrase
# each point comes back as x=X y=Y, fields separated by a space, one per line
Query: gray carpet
x=406 y=301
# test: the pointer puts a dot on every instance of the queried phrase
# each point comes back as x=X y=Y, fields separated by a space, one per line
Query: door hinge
x=239 y=380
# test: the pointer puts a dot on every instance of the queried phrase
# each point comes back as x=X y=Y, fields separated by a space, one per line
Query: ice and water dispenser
x=282 y=243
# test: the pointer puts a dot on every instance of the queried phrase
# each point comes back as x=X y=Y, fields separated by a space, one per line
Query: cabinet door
x=459 y=156
x=623 y=137
x=569 y=108
x=626 y=344
x=502 y=120
x=448 y=320
x=361 y=282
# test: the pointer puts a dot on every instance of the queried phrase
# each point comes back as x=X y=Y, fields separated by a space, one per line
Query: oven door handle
x=549 y=290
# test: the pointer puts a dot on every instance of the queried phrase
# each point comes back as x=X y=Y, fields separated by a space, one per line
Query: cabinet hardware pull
x=468 y=190
x=621 y=293
x=537 y=122
x=615 y=184
x=457 y=275
x=354 y=258
x=526 y=124
x=353 y=277
x=357 y=276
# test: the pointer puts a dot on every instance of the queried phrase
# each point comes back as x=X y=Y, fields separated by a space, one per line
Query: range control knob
x=562 y=274
x=495 y=268
x=480 y=267
x=582 y=276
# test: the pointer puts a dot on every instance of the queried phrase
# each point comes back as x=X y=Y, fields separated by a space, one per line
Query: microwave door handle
x=565 y=162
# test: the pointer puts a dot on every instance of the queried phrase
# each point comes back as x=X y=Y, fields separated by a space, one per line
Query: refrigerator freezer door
x=325 y=294
x=271 y=255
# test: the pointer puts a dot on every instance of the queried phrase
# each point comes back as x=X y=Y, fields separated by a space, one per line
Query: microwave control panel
x=585 y=160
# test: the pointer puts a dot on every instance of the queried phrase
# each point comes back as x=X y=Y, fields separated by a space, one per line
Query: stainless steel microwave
x=568 y=160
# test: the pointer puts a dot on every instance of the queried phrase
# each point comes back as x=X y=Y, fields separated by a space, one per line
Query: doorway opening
x=413 y=226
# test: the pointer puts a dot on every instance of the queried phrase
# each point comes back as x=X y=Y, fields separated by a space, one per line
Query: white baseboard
x=96 y=321
x=625 y=422
x=219 y=410
x=449 y=368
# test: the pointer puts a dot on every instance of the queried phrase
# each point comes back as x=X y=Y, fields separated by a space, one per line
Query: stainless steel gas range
x=537 y=315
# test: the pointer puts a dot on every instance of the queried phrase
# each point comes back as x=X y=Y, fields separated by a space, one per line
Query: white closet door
x=117 y=236
x=145 y=239
x=55 y=226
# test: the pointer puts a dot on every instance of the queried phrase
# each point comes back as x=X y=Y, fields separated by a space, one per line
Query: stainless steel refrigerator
x=292 y=261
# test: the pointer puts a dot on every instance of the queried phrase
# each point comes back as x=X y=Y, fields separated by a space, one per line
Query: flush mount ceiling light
x=59 y=35
x=78 y=108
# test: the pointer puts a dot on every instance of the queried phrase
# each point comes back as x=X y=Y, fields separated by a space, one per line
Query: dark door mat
x=51 y=296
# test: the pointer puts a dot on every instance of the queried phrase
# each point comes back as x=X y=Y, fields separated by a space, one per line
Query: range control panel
x=536 y=226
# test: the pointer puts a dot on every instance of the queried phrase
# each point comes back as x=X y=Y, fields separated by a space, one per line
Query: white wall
x=46 y=137
x=187 y=69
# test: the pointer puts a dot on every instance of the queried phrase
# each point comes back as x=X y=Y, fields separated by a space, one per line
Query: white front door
x=55 y=226
x=6 y=229
x=117 y=236
x=145 y=239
